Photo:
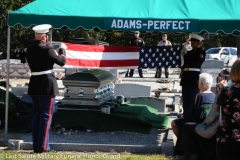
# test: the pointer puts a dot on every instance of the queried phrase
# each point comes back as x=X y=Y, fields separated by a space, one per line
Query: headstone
x=18 y=70
x=70 y=71
x=14 y=144
x=19 y=91
x=213 y=67
x=60 y=84
x=129 y=90
x=157 y=103
x=10 y=61
x=212 y=63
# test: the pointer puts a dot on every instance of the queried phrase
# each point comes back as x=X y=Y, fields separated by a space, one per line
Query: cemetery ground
x=72 y=155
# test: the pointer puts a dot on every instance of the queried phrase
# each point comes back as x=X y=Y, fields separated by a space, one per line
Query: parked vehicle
x=226 y=54
x=229 y=59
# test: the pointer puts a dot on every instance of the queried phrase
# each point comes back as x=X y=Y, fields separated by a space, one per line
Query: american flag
x=92 y=56
x=160 y=56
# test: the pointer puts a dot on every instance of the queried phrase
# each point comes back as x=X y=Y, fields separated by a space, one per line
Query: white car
x=226 y=54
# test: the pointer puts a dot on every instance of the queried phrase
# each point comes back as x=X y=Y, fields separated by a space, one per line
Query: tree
x=21 y=37
x=5 y=7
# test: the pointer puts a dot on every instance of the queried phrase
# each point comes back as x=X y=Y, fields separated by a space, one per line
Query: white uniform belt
x=41 y=73
x=191 y=69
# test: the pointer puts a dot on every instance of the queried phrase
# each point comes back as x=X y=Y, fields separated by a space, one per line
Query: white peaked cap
x=43 y=28
x=195 y=37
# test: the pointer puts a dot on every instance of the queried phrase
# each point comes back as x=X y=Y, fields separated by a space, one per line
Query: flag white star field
x=160 y=56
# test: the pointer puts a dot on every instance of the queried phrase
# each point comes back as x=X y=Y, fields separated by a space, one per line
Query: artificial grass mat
x=128 y=117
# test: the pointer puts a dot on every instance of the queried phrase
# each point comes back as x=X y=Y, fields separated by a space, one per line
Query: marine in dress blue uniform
x=137 y=41
x=193 y=61
x=42 y=86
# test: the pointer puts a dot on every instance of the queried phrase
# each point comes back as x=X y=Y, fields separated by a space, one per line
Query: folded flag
x=92 y=56
x=160 y=56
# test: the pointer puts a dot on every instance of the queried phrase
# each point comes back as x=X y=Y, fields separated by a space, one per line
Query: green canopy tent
x=144 y=15
x=177 y=16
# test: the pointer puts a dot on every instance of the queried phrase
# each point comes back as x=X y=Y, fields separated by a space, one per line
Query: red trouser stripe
x=49 y=118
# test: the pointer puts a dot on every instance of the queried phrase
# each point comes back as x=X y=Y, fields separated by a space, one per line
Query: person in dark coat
x=193 y=61
x=137 y=41
x=42 y=86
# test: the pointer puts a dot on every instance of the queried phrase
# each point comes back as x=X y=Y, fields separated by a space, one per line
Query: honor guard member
x=42 y=86
x=137 y=41
x=193 y=61
x=186 y=47
x=163 y=42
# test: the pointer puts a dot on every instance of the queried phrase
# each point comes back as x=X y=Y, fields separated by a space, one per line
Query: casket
x=88 y=89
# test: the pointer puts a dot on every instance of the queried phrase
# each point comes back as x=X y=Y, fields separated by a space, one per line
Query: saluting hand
x=222 y=84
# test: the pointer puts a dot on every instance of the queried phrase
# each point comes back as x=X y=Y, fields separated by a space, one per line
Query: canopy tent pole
x=7 y=86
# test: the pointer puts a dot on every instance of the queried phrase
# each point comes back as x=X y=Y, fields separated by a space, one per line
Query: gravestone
x=60 y=84
x=129 y=90
x=212 y=63
x=213 y=67
x=18 y=70
x=19 y=91
x=157 y=103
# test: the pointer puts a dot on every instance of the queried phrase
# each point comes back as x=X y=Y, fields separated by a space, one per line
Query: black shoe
x=141 y=77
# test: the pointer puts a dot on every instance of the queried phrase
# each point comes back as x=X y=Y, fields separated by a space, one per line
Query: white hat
x=195 y=37
x=137 y=32
x=41 y=29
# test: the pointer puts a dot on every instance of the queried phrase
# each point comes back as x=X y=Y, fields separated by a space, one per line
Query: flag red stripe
x=94 y=48
x=101 y=63
x=48 y=124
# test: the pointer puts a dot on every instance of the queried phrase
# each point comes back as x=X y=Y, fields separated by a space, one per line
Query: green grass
x=24 y=155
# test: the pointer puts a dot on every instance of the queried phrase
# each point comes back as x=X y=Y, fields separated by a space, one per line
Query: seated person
x=204 y=132
x=223 y=76
x=200 y=137
x=206 y=96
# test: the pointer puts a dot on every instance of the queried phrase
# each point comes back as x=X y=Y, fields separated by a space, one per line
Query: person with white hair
x=203 y=105
x=205 y=82
x=206 y=96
